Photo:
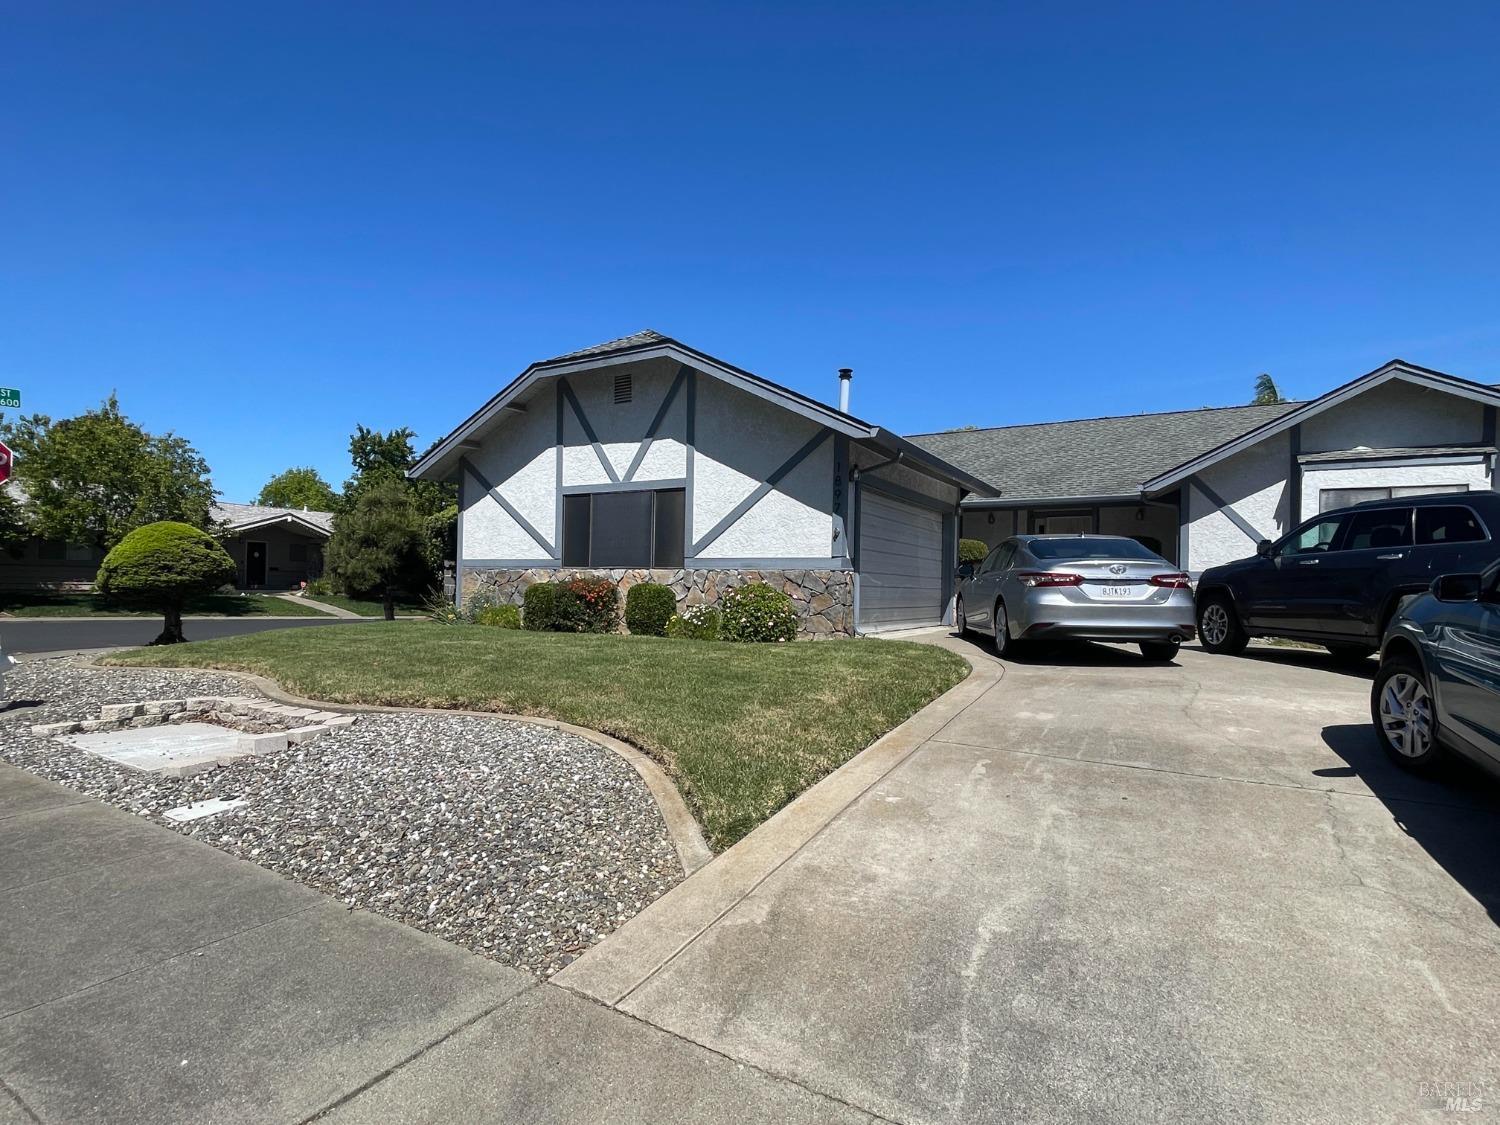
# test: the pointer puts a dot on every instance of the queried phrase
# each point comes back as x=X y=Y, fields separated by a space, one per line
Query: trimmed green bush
x=500 y=616
x=972 y=550
x=694 y=623
x=648 y=608
x=757 y=612
x=543 y=604
x=162 y=565
x=597 y=601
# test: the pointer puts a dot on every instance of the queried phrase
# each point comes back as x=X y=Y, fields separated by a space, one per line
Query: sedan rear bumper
x=1064 y=615
x=1063 y=631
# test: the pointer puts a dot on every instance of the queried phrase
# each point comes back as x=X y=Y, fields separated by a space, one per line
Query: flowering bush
x=549 y=607
x=648 y=607
x=694 y=623
x=598 y=602
x=756 y=612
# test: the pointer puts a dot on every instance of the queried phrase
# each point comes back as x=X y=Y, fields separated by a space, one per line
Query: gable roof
x=1396 y=369
x=1092 y=458
x=238 y=518
x=440 y=460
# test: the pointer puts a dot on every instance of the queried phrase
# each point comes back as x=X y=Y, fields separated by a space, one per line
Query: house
x=643 y=458
x=273 y=548
x=1202 y=487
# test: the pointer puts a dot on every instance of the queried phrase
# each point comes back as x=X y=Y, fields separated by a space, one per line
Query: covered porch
x=1154 y=523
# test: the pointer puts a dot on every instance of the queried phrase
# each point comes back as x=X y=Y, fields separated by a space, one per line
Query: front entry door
x=255 y=564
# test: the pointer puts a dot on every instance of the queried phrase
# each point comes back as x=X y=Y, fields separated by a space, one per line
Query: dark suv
x=1338 y=579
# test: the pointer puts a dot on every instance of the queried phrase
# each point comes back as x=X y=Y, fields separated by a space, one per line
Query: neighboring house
x=644 y=458
x=273 y=548
x=1203 y=486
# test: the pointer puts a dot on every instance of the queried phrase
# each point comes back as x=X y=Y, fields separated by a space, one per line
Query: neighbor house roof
x=239 y=518
x=442 y=458
x=1092 y=458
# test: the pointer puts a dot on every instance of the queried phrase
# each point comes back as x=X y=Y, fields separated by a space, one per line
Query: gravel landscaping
x=524 y=844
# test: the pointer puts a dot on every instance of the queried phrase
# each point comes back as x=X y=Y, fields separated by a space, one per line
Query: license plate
x=1116 y=591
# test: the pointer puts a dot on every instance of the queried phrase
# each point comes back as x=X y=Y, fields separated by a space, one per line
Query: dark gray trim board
x=1225 y=507
x=1294 y=476
x=983 y=504
x=840 y=533
x=691 y=434
x=625 y=486
x=1395 y=462
x=761 y=491
x=766 y=564
x=517 y=564
x=899 y=492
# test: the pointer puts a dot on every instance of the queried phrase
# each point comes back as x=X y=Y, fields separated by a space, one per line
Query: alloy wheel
x=1406 y=715
x=1214 y=624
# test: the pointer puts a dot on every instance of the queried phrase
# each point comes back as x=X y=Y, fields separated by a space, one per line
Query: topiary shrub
x=756 y=612
x=972 y=550
x=648 y=607
x=597 y=601
x=694 y=623
x=499 y=616
x=539 y=606
x=162 y=565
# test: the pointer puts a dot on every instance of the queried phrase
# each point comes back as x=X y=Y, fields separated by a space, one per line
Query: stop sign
x=4 y=462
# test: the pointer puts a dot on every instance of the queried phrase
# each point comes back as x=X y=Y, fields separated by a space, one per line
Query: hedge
x=648 y=607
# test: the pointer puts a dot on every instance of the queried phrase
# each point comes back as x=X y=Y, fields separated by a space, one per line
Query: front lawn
x=29 y=604
x=741 y=728
x=404 y=606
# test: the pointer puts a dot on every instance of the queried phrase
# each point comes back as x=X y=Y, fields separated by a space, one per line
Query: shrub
x=162 y=565
x=540 y=606
x=323 y=587
x=598 y=603
x=972 y=550
x=500 y=616
x=756 y=612
x=648 y=608
x=440 y=608
x=694 y=623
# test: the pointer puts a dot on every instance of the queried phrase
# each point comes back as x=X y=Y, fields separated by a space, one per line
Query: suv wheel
x=1219 y=628
x=1401 y=707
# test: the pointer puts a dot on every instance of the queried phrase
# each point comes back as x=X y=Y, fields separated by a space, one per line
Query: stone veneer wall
x=824 y=599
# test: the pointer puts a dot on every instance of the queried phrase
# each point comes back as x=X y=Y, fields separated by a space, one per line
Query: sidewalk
x=146 y=977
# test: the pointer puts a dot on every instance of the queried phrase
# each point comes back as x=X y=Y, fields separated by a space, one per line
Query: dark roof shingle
x=1092 y=456
x=634 y=340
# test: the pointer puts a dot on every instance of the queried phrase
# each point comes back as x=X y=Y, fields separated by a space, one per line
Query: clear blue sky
x=263 y=222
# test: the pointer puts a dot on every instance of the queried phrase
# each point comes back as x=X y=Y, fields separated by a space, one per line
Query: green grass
x=27 y=604
x=741 y=728
x=368 y=608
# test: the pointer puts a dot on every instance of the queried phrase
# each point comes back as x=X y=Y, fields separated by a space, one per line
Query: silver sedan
x=1077 y=587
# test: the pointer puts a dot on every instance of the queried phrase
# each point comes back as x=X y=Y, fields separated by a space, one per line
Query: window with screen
x=1380 y=529
x=1330 y=499
x=624 y=529
x=1439 y=526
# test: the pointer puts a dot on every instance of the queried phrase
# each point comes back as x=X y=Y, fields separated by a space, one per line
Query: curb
x=687 y=837
x=629 y=957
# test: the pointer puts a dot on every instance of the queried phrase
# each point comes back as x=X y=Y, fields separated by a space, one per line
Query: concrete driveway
x=1107 y=891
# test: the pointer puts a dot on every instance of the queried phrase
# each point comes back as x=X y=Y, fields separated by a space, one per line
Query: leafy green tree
x=92 y=478
x=15 y=528
x=162 y=565
x=381 y=457
x=1266 y=391
x=379 y=547
x=299 y=488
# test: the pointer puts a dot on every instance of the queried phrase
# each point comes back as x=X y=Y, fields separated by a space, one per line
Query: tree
x=1266 y=392
x=299 y=488
x=383 y=457
x=15 y=528
x=92 y=478
x=162 y=565
x=379 y=547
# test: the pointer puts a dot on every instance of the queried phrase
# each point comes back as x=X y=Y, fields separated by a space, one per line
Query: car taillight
x=1170 y=581
x=1049 y=578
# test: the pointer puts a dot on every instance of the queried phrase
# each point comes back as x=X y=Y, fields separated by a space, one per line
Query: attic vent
x=623 y=388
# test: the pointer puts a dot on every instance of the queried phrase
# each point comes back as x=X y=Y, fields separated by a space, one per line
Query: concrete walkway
x=331 y=610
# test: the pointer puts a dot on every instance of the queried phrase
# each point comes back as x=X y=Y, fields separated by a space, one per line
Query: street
x=41 y=634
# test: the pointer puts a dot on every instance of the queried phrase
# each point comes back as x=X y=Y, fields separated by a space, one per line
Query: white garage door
x=900 y=564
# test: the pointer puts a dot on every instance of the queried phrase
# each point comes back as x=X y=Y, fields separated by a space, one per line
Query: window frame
x=653 y=531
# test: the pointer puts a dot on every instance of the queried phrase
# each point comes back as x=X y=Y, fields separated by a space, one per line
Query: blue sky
x=263 y=223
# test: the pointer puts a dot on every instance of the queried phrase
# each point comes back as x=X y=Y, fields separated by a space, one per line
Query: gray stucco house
x=643 y=458
x=1203 y=486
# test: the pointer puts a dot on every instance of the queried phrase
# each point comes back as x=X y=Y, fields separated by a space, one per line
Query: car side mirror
x=1457 y=588
x=1263 y=548
x=967 y=570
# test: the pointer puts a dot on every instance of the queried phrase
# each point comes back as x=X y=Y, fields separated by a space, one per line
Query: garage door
x=900 y=558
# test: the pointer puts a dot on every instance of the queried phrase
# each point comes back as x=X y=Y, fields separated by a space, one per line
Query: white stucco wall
x=739 y=441
x=1395 y=415
x=519 y=458
x=620 y=427
x=1254 y=484
x=1314 y=480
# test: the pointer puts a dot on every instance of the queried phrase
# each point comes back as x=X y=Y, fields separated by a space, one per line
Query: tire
x=1352 y=655
x=1219 y=628
x=1160 y=652
x=1404 y=717
x=960 y=618
x=1004 y=646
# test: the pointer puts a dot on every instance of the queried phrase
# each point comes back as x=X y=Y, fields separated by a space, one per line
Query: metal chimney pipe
x=845 y=374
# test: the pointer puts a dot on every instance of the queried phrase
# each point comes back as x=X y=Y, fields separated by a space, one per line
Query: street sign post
x=4 y=462
x=10 y=398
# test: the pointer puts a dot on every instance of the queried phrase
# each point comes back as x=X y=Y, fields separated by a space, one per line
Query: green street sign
x=10 y=398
